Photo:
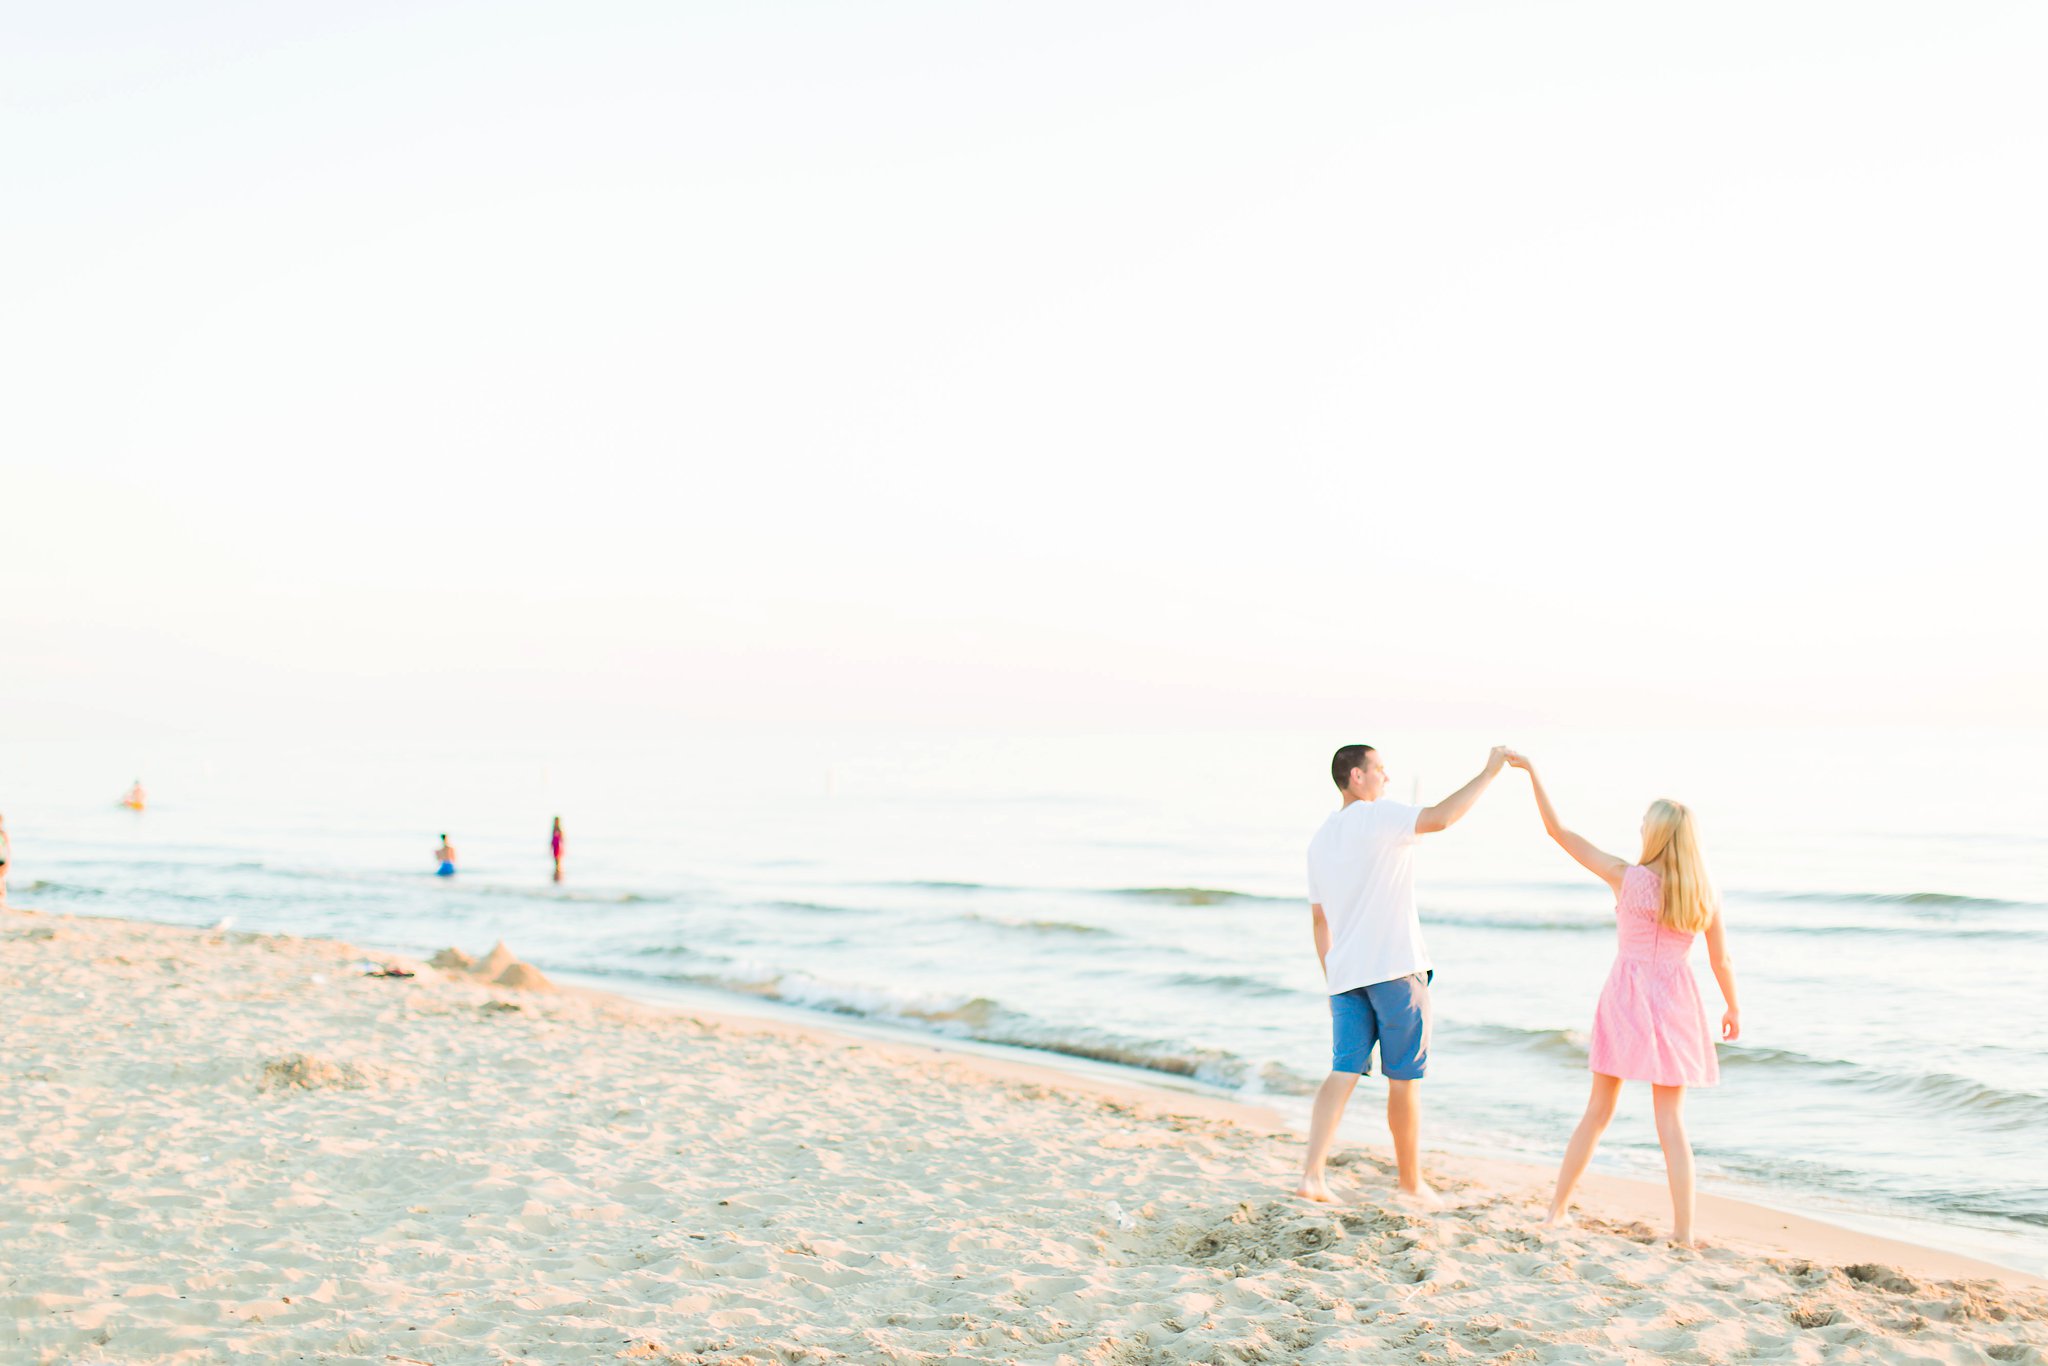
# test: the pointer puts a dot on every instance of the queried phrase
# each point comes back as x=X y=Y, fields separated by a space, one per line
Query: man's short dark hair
x=1344 y=760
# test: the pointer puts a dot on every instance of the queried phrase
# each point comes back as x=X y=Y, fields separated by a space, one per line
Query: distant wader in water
x=446 y=853
x=555 y=847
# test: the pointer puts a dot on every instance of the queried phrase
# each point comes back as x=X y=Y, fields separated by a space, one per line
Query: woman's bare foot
x=1562 y=1218
x=1422 y=1197
x=1316 y=1190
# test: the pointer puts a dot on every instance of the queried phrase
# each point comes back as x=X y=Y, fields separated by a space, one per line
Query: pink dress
x=1650 y=1025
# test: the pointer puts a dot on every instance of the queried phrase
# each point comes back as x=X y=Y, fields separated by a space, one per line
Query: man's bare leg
x=1322 y=1132
x=1404 y=1121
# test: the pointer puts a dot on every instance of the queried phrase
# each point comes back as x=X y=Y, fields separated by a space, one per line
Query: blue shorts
x=1394 y=1015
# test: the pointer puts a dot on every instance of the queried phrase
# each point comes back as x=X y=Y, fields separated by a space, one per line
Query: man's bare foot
x=1315 y=1190
x=1424 y=1196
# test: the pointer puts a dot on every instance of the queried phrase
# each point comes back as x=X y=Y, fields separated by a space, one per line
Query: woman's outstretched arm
x=1598 y=862
x=1724 y=974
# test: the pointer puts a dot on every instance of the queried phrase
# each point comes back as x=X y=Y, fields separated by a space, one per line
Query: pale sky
x=1063 y=365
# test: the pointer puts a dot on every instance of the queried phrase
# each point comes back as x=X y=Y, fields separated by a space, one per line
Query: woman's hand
x=1731 y=1025
x=1519 y=760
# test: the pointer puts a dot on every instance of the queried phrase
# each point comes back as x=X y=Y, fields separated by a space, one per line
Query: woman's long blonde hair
x=1671 y=850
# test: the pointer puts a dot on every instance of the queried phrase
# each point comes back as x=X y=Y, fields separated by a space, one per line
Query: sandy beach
x=238 y=1146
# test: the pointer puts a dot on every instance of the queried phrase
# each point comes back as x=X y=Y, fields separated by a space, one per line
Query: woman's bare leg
x=1670 y=1103
x=1585 y=1138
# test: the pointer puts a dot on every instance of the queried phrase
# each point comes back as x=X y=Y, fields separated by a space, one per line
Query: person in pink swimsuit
x=555 y=847
x=1650 y=1025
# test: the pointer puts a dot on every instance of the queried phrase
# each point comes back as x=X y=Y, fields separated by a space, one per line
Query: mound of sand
x=495 y=962
x=500 y=967
x=523 y=977
x=304 y=1072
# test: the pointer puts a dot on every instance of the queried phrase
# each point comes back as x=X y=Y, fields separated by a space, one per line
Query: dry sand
x=224 y=1146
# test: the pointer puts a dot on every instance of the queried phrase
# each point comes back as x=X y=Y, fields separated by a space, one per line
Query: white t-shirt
x=1361 y=871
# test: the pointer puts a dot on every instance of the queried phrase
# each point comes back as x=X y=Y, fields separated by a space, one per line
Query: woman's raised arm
x=1598 y=862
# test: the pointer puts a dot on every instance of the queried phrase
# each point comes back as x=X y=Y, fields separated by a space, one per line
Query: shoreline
x=1728 y=1219
x=1632 y=1200
x=1747 y=1221
x=239 y=1145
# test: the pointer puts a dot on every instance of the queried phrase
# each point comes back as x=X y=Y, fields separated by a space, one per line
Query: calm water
x=1138 y=900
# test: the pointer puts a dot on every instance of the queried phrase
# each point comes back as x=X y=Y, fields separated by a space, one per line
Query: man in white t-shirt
x=1361 y=891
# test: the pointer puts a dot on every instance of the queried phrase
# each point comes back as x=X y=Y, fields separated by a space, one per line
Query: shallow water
x=1137 y=899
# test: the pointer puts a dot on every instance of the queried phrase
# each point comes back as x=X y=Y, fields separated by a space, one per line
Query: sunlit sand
x=234 y=1145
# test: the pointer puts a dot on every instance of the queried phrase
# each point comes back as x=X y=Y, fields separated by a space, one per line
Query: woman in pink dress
x=1650 y=1025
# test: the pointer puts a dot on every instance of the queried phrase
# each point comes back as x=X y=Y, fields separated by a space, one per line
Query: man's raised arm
x=1452 y=809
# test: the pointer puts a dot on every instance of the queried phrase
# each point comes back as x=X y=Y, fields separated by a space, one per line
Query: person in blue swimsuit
x=446 y=853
